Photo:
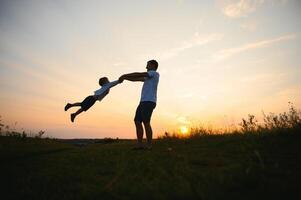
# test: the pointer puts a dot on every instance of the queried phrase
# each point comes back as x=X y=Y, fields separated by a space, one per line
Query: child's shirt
x=103 y=91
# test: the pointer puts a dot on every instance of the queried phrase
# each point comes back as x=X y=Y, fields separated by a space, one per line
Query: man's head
x=152 y=65
x=103 y=81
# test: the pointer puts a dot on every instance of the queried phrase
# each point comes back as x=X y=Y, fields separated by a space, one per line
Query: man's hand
x=121 y=79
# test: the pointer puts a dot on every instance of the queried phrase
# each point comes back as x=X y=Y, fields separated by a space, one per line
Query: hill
x=233 y=166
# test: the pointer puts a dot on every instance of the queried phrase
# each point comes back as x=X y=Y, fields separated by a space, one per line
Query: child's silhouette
x=90 y=100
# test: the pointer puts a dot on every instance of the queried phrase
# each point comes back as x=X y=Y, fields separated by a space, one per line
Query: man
x=148 y=101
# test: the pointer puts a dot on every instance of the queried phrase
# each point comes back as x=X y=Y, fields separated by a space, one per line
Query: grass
x=210 y=167
x=259 y=161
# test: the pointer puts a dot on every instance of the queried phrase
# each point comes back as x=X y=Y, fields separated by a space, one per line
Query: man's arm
x=136 y=76
x=136 y=79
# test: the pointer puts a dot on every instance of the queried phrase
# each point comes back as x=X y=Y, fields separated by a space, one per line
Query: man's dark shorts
x=144 y=111
x=88 y=102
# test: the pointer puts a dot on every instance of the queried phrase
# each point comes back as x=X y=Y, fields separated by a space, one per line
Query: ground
x=237 y=166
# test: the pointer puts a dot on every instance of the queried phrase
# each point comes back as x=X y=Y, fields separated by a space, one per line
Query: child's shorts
x=88 y=102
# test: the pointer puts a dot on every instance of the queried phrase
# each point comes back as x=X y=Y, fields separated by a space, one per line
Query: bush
x=11 y=131
x=290 y=120
x=273 y=122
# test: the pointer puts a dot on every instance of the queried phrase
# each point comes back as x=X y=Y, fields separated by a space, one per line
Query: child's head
x=103 y=80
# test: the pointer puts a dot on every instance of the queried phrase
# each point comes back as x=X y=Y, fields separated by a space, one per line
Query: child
x=90 y=100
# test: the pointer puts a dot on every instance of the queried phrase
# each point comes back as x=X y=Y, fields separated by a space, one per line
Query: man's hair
x=154 y=63
x=103 y=80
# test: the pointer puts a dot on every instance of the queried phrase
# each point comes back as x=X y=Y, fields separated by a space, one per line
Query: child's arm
x=112 y=84
x=104 y=90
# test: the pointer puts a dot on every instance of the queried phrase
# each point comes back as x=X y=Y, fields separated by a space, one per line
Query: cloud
x=266 y=80
x=226 y=53
x=242 y=8
x=194 y=95
x=197 y=40
x=180 y=2
x=183 y=120
x=118 y=64
x=249 y=26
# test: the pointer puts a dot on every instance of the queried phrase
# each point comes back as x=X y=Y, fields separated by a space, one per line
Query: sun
x=184 y=129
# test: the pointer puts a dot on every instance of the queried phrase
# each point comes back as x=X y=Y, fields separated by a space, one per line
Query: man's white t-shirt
x=102 y=92
x=150 y=85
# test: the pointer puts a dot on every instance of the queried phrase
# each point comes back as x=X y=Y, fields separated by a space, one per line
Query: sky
x=218 y=62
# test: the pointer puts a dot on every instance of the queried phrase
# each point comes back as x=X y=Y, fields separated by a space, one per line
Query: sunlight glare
x=184 y=130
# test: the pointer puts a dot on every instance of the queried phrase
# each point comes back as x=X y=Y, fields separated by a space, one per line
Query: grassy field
x=237 y=166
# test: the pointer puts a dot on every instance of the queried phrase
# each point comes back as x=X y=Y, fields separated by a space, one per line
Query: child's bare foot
x=72 y=117
x=67 y=106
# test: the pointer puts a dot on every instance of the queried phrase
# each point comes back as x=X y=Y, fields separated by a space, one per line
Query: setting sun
x=184 y=130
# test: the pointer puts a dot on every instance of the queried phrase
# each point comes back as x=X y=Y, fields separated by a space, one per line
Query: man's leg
x=139 y=132
x=149 y=133
x=73 y=115
x=147 y=111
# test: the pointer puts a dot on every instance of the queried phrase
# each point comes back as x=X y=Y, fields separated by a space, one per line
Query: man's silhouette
x=147 y=102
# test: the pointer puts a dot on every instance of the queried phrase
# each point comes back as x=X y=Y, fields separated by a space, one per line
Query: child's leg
x=73 y=115
x=69 y=105
x=85 y=105
x=75 y=104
